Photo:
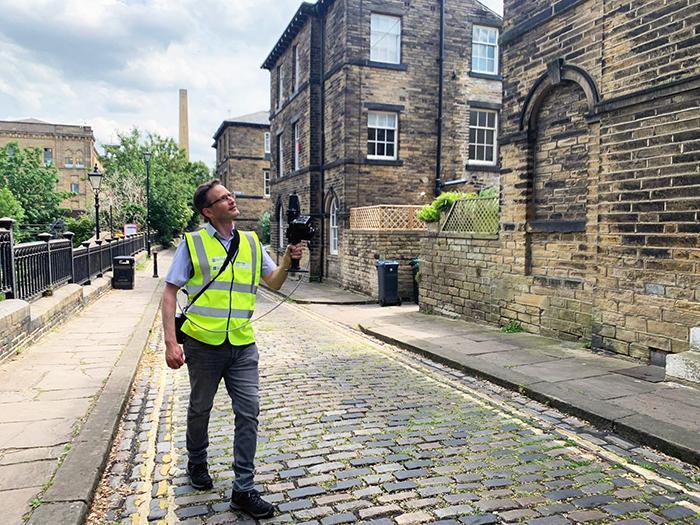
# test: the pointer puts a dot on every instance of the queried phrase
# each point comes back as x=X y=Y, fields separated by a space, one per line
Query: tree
x=10 y=207
x=31 y=183
x=264 y=224
x=172 y=182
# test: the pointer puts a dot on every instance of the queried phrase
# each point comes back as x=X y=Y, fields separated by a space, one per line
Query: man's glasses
x=222 y=198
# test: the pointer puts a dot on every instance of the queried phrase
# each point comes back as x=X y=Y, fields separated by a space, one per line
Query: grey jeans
x=238 y=366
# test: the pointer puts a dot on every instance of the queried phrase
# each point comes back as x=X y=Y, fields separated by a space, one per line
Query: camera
x=298 y=228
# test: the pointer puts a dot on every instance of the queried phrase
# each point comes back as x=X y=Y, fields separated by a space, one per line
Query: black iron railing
x=28 y=270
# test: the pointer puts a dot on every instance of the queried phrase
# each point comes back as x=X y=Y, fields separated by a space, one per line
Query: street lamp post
x=95 y=178
x=147 y=159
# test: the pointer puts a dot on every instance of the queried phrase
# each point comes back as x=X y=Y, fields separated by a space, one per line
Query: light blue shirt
x=181 y=266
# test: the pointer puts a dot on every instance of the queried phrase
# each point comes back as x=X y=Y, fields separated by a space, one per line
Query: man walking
x=219 y=340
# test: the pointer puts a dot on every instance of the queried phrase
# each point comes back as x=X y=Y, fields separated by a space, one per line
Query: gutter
x=441 y=61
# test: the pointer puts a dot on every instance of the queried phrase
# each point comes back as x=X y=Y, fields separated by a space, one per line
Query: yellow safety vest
x=229 y=301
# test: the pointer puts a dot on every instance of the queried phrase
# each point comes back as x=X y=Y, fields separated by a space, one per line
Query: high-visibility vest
x=229 y=302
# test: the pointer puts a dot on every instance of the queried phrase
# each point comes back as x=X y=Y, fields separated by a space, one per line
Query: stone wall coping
x=12 y=312
x=468 y=235
x=387 y=232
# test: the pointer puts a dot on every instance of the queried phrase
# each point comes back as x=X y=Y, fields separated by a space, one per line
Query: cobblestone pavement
x=355 y=431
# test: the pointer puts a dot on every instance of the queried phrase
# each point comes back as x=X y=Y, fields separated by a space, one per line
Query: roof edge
x=305 y=11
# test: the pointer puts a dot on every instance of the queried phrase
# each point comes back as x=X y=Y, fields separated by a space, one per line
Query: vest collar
x=213 y=232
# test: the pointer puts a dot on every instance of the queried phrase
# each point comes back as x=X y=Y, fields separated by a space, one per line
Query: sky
x=118 y=64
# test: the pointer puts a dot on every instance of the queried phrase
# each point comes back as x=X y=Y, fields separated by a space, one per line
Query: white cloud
x=118 y=64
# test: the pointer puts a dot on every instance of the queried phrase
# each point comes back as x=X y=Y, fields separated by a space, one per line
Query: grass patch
x=513 y=327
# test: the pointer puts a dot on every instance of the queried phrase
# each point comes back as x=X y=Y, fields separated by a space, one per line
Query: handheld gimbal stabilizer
x=298 y=229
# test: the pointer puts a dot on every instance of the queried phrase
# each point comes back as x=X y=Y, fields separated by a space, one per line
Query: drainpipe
x=441 y=67
x=322 y=157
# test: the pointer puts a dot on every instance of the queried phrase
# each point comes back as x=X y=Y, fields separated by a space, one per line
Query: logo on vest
x=243 y=265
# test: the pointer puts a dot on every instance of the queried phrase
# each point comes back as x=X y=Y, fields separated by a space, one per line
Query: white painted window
x=266 y=183
x=280 y=228
x=382 y=130
x=68 y=162
x=485 y=50
x=385 y=39
x=48 y=156
x=296 y=70
x=483 y=134
x=79 y=162
x=334 y=227
x=280 y=86
x=297 y=147
x=74 y=187
x=280 y=155
x=267 y=142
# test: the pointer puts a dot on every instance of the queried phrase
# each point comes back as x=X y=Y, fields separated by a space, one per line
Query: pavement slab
x=352 y=430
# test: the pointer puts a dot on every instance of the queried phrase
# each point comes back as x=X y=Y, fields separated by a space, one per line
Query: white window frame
x=476 y=143
x=280 y=228
x=390 y=33
x=75 y=188
x=68 y=160
x=479 y=47
x=280 y=155
x=48 y=157
x=297 y=69
x=280 y=86
x=333 y=230
x=297 y=147
x=266 y=183
x=78 y=160
x=385 y=128
x=266 y=142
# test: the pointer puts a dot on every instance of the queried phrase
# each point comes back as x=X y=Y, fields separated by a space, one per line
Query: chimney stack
x=184 y=124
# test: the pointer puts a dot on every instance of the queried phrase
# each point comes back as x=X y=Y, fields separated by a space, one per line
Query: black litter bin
x=415 y=267
x=123 y=272
x=388 y=273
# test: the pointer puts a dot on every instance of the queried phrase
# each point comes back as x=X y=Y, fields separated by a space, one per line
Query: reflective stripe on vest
x=229 y=302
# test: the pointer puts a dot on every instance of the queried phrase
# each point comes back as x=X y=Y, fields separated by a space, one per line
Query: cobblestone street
x=355 y=431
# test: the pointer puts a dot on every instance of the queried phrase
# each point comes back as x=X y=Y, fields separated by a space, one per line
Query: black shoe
x=199 y=476
x=252 y=503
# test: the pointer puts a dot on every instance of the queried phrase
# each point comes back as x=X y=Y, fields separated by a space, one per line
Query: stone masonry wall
x=362 y=248
x=616 y=261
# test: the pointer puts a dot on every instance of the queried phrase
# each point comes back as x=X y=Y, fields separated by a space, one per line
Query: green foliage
x=83 y=228
x=10 y=206
x=428 y=214
x=172 y=183
x=513 y=327
x=264 y=224
x=32 y=185
x=444 y=201
x=489 y=192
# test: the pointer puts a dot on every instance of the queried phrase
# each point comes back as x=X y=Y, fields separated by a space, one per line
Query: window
x=68 y=162
x=280 y=228
x=11 y=150
x=295 y=71
x=266 y=183
x=267 y=142
x=385 y=39
x=482 y=137
x=297 y=147
x=74 y=188
x=485 y=50
x=48 y=156
x=79 y=162
x=381 y=135
x=280 y=86
x=280 y=155
x=334 y=227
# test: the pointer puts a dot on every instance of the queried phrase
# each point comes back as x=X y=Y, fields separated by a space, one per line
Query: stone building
x=243 y=164
x=379 y=102
x=600 y=181
x=70 y=148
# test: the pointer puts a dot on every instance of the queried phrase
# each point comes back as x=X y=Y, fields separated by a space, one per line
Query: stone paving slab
x=58 y=408
x=589 y=383
x=352 y=431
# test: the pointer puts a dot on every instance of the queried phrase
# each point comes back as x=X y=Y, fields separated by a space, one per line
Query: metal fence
x=29 y=269
x=474 y=215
